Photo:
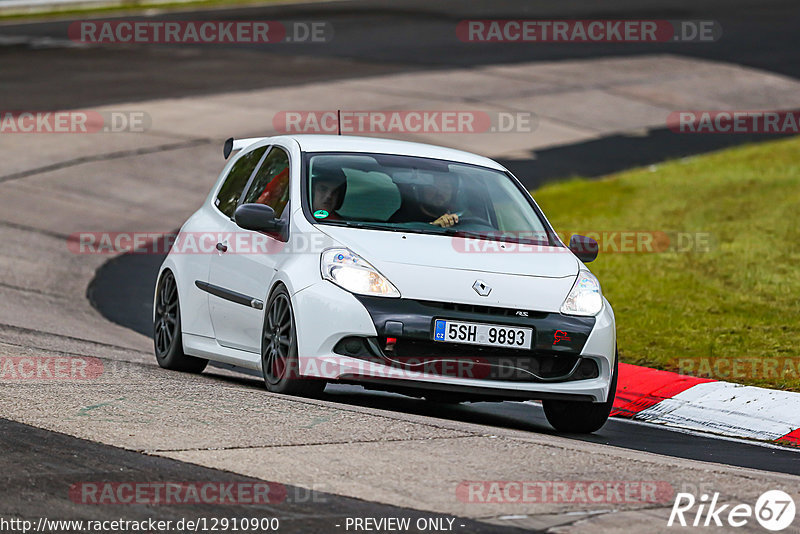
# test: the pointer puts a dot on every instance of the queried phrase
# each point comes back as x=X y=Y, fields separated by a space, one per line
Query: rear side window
x=271 y=183
x=231 y=189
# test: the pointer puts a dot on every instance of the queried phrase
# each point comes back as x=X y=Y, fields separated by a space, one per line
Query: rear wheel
x=581 y=417
x=279 y=361
x=167 y=330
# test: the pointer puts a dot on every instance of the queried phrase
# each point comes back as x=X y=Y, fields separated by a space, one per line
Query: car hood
x=445 y=268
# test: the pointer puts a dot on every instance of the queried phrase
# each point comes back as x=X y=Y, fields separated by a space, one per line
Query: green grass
x=739 y=300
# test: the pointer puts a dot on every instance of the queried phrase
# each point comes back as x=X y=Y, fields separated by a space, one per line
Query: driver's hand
x=447 y=220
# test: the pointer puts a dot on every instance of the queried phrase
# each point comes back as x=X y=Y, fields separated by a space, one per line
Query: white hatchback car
x=394 y=265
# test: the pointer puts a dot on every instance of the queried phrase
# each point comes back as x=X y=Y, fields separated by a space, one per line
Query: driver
x=434 y=203
x=330 y=187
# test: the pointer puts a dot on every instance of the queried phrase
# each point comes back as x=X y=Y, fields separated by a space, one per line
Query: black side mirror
x=585 y=248
x=257 y=217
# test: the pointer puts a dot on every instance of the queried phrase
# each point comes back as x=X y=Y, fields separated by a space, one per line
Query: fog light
x=587 y=369
x=352 y=346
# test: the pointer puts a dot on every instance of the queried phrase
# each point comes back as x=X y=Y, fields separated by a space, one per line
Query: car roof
x=351 y=143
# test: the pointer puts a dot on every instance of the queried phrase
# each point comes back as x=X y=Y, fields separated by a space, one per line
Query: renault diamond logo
x=481 y=288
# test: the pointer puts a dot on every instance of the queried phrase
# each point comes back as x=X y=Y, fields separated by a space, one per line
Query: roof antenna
x=339 y=120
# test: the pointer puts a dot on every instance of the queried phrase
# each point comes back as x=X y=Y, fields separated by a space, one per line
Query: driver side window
x=271 y=183
x=231 y=190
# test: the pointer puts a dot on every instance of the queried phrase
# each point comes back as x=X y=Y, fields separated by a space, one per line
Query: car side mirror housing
x=257 y=217
x=585 y=248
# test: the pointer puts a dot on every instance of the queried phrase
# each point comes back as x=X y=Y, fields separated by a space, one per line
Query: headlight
x=353 y=273
x=585 y=297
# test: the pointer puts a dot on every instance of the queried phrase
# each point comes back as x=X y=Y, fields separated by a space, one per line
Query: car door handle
x=222 y=248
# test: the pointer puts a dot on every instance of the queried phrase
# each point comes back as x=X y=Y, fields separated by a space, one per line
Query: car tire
x=577 y=417
x=167 y=334
x=280 y=365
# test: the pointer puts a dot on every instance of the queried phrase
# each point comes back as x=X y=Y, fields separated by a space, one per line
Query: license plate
x=490 y=335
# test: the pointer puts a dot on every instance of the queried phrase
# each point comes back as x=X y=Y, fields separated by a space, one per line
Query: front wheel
x=579 y=417
x=167 y=330
x=280 y=364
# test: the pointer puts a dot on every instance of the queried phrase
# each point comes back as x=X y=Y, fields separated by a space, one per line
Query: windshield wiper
x=436 y=230
x=379 y=226
x=454 y=232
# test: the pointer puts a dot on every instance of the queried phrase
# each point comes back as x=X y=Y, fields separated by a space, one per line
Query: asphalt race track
x=384 y=37
x=352 y=453
x=370 y=37
x=51 y=461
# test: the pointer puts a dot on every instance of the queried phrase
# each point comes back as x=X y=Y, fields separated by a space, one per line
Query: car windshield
x=412 y=194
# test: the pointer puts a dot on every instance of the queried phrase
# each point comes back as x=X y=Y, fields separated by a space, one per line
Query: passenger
x=329 y=190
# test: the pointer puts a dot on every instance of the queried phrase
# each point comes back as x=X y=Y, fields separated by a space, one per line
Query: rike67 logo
x=774 y=510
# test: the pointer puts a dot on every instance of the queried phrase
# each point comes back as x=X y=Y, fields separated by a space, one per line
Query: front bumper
x=550 y=369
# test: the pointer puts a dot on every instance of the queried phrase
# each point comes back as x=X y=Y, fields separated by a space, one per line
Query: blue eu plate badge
x=439 y=328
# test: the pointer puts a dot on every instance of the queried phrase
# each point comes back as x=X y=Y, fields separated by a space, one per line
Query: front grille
x=464 y=361
x=484 y=310
x=490 y=363
x=416 y=321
